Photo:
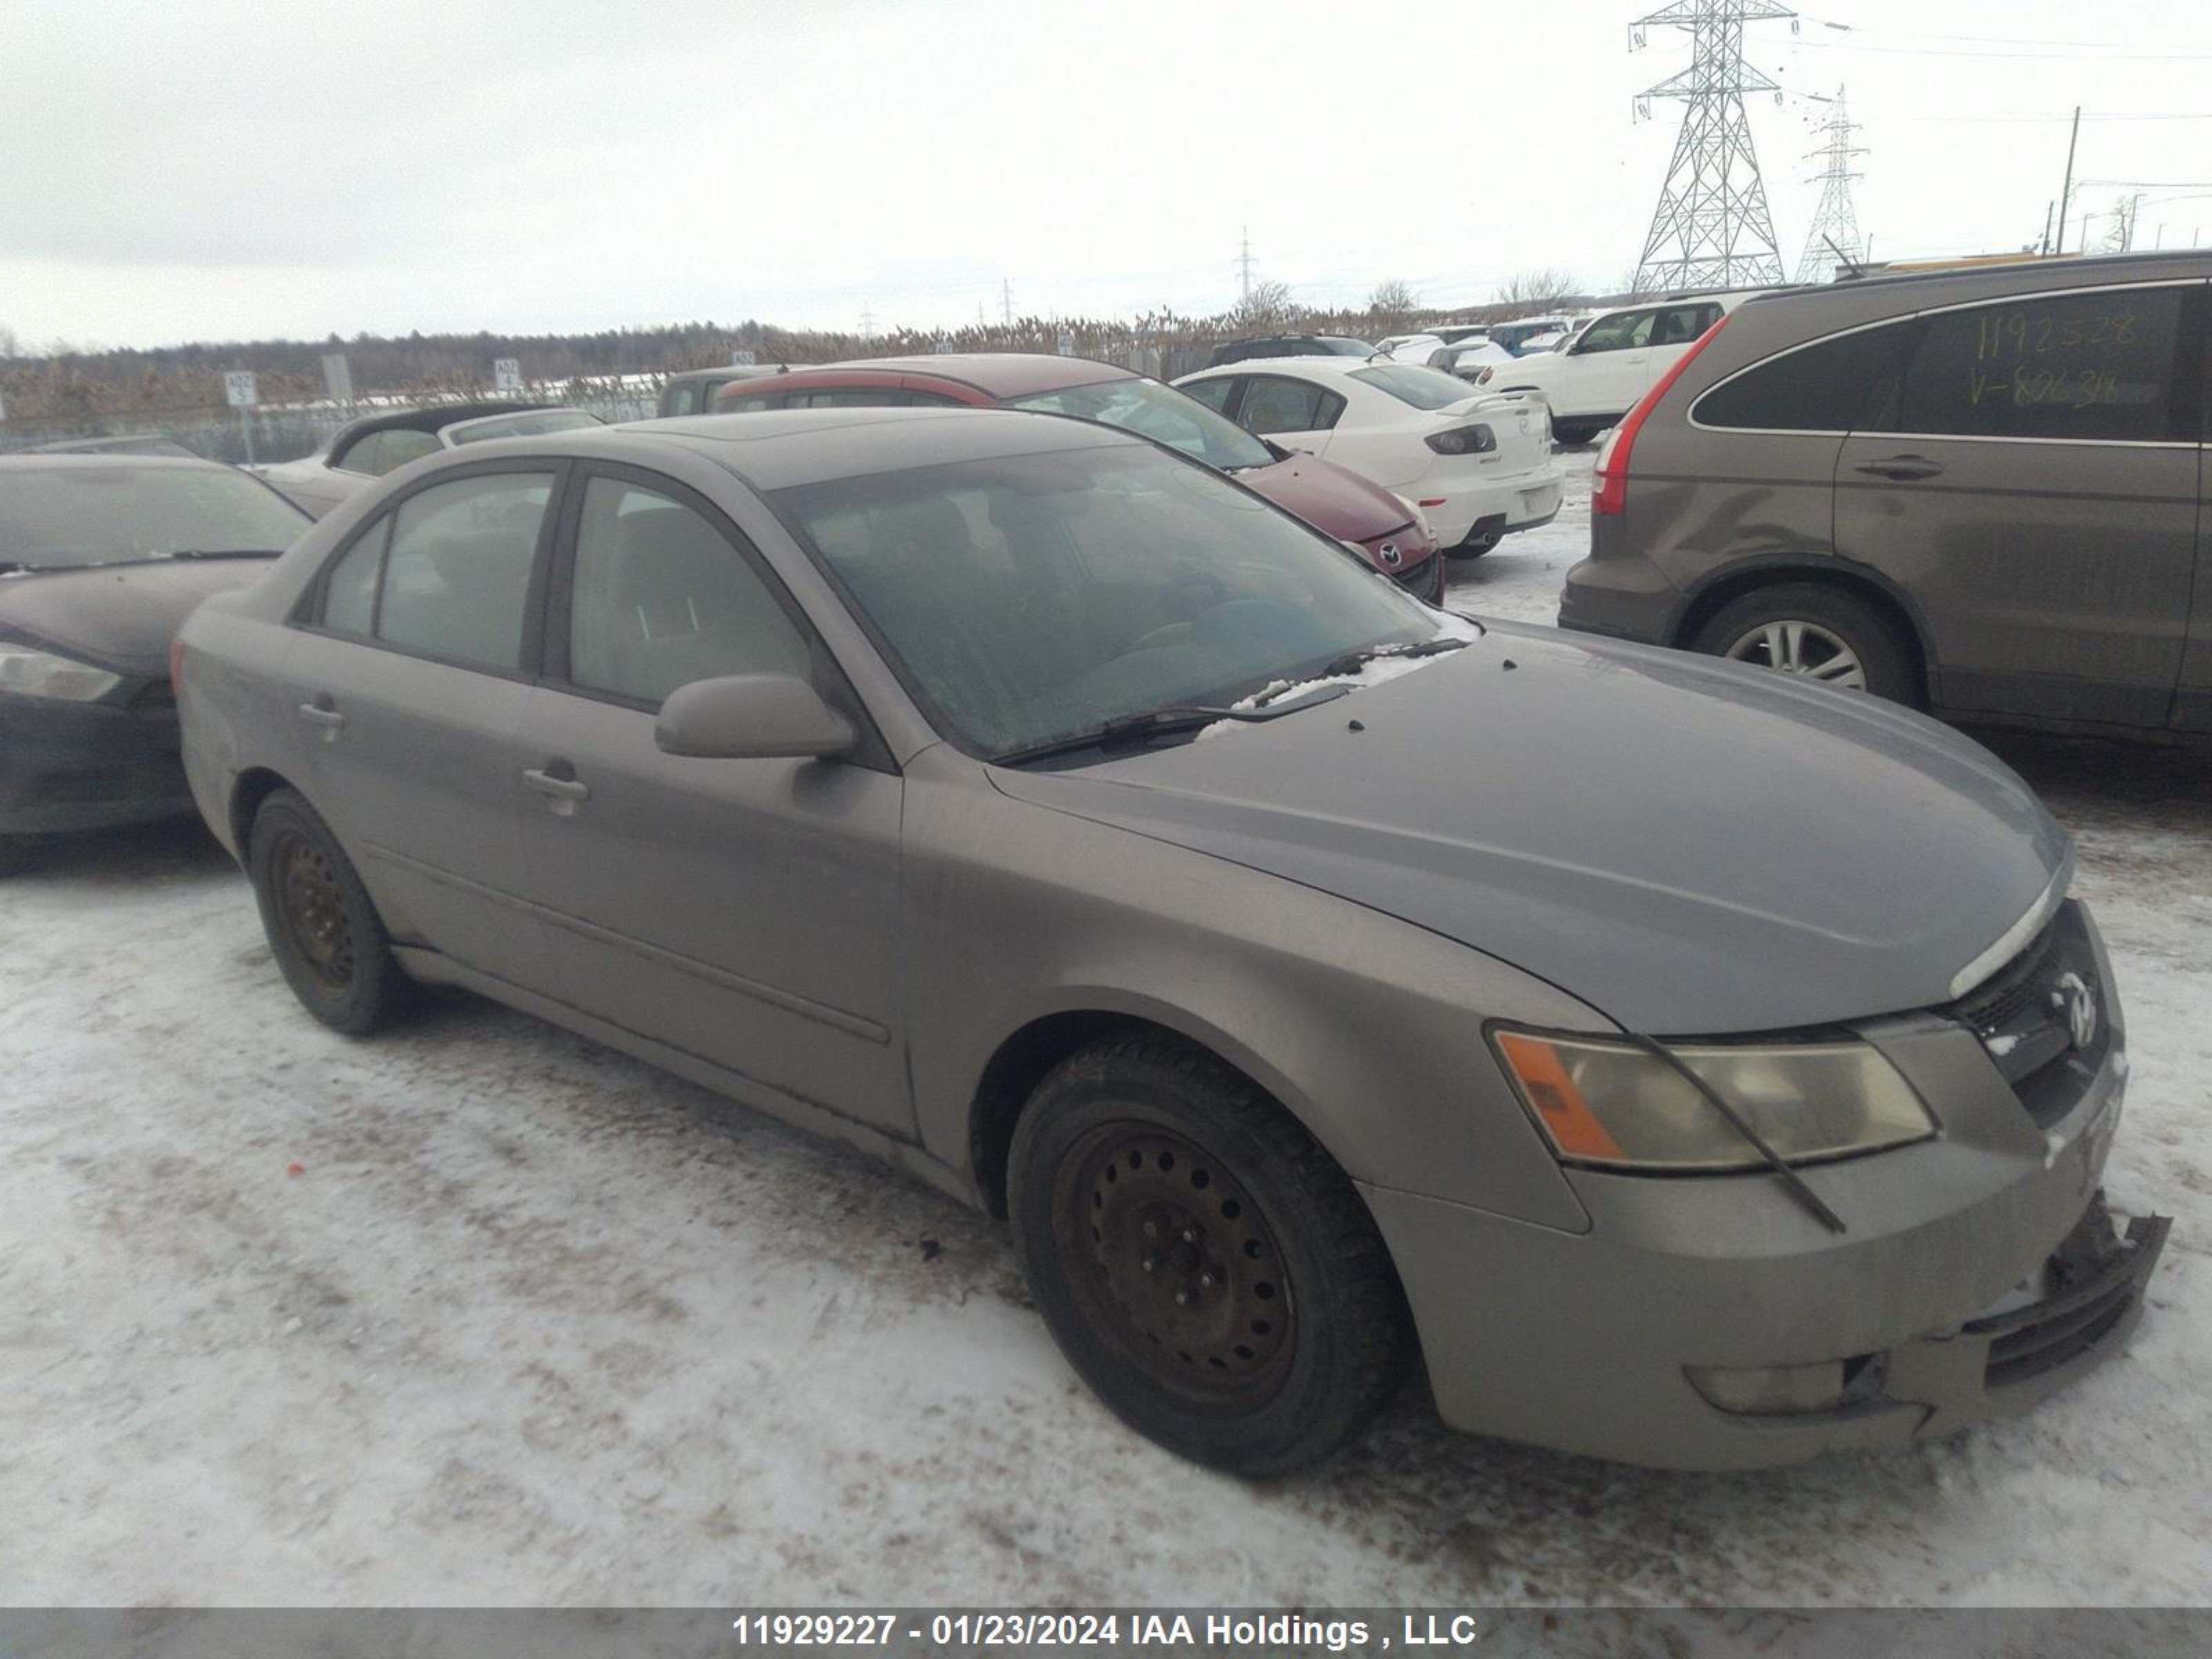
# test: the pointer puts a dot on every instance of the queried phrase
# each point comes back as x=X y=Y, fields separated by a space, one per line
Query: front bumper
x=1979 y=1274
x=68 y=766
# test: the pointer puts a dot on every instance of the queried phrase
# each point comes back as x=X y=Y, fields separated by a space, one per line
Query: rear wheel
x=323 y=928
x=1203 y=1263
x=1572 y=433
x=1815 y=633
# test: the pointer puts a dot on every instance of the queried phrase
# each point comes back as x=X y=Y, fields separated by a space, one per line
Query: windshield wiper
x=1168 y=717
x=1352 y=661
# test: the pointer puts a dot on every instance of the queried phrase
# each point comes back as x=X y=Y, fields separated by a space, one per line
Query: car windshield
x=97 y=513
x=530 y=423
x=1423 y=388
x=1153 y=410
x=1027 y=598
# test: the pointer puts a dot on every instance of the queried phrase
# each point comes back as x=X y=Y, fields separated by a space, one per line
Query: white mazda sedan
x=1478 y=464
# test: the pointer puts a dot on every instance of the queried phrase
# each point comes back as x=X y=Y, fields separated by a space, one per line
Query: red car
x=1386 y=527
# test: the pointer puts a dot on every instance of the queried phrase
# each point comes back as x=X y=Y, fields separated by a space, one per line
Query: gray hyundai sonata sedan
x=1322 y=984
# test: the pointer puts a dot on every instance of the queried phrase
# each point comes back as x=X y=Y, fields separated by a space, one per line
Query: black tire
x=1571 y=433
x=323 y=929
x=1884 y=658
x=1296 y=1331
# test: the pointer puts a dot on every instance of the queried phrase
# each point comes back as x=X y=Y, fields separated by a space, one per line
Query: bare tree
x=1539 y=288
x=1393 y=301
x=1268 y=305
x=11 y=344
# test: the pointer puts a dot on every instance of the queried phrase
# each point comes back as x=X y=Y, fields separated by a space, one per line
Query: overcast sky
x=218 y=169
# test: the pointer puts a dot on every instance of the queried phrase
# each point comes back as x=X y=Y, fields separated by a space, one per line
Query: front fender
x=1366 y=1029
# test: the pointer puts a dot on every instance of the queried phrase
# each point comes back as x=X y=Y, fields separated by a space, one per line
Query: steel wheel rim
x=1792 y=645
x=1132 y=1194
x=311 y=905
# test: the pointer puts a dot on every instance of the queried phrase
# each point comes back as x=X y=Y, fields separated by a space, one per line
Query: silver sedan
x=1684 y=1066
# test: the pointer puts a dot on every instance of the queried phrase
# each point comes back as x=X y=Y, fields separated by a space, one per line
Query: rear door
x=1298 y=414
x=746 y=912
x=2033 y=486
x=423 y=636
x=2192 y=701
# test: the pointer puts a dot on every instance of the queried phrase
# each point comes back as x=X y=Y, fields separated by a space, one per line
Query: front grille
x=2022 y=1016
x=2096 y=1278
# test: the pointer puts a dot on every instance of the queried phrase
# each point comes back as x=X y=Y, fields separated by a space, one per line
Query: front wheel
x=1816 y=633
x=323 y=928
x=1203 y=1263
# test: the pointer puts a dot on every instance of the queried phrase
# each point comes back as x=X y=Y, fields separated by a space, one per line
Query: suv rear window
x=1834 y=385
x=2079 y=366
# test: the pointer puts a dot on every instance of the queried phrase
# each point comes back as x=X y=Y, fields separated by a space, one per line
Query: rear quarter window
x=1835 y=385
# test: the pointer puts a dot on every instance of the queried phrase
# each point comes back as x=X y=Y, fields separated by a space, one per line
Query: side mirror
x=751 y=717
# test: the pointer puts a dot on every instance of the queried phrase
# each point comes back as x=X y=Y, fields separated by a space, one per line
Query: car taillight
x=176 y=668
x=1609 y=496
x=1477 y=439
x=1482 y=376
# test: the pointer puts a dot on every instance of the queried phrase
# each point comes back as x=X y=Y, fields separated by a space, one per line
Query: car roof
x=994 y=374
x=2026 y=272
x=25 y=461
x=431 y=417
x=1334 y=363
x=728 y=372
x=777 y=448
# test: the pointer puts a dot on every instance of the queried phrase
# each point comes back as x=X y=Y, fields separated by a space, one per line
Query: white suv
x=1599 y=375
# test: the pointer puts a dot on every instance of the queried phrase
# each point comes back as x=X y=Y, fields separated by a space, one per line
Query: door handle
x=564 y=791
x=1901 y=468
x=319 y=713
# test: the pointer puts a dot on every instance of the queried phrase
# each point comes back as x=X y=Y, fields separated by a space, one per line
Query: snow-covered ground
x=531 y=1323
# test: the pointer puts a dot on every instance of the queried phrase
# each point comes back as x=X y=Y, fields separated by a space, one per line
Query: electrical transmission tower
x=1712 y=228
x=1835 y=234
x=1244 y=265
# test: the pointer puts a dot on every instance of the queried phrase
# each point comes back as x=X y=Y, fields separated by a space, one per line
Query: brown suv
x=1979 y=490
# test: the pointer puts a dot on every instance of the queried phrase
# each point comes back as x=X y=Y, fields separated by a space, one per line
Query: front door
x=2192 y=701
x=409 y=691
x=2033 y=489
x=1608 y=367
x=746 y=912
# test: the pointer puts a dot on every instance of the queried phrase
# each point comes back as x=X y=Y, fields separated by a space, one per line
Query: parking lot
x=479 y=1312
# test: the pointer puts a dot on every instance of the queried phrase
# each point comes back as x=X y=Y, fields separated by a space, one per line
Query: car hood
x=1330 y=497
x=1689 y=846
x=120 y=617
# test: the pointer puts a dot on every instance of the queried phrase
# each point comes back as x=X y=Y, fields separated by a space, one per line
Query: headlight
x=42 y=674
x=1617 y=1104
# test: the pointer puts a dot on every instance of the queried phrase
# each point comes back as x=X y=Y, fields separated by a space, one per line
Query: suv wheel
x=323 y=929
x=1205 y=1266
x=1815 y=633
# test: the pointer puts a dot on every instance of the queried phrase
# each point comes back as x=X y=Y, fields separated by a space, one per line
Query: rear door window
x=2086 y=367
x=684 y=398
x=1835 y=384
x=1275 y=403
x=457 y=576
